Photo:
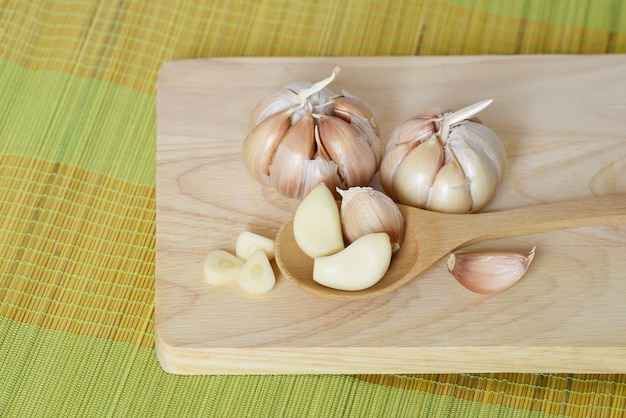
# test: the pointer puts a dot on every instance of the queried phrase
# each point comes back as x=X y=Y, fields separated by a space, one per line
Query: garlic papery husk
x=337 y=142
x=442 y=160
x=365 y=210
x=489 y=272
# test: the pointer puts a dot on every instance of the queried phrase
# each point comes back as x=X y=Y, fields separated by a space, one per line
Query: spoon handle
x=596 y=211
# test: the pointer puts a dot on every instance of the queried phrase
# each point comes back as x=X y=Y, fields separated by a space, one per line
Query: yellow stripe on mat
x=129 y=41
x=76 y=250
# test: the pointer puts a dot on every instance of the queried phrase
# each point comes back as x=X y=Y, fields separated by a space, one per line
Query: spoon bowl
x=430 y=236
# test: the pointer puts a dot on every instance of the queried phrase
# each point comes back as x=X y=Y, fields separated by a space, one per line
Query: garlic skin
x=365 y=210
x=305 y=134
x=445 y=161
x=489 y=273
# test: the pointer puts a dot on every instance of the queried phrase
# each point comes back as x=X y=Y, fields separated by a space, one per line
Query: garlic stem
x=459 y=116
x=320 y=85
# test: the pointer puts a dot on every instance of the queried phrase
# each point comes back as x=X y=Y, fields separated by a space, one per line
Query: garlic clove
x=486 y=143
x=273 y=104
x=221 y=267
x=365 y=210
x=261 y=143
x=248 y=243
x=489 y=272
x=450 y=190
x=481 y=175
x=416 y=173
x=317 y=225
x=414 y=130
x=359 y=266
x=370 y=135
x=289 y=164
x=349 y=148
x=256 y=275
x=346 y=106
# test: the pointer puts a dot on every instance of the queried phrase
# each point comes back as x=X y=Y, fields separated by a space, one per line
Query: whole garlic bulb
x=305 y=134
x=443 y=161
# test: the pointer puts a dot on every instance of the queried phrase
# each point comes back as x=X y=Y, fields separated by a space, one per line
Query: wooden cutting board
x=563 y=123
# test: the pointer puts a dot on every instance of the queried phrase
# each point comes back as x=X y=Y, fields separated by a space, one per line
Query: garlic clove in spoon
x=489 y=272
x=365 y=210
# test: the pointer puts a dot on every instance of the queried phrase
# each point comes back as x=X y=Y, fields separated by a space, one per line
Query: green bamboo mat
x=77 y=199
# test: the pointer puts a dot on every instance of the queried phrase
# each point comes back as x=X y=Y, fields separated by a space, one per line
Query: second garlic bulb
x=443 y=161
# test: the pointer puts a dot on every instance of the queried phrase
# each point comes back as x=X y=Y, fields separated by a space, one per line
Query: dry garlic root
x=316 y=223
x=305 y=134
x=443 y=161
x=360 y=265
x=489 y=272
x=250 y=267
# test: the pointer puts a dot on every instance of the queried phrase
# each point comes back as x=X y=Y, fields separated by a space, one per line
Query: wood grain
x=562 y=122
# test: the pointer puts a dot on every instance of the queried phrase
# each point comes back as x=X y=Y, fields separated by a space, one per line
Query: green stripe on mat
x=105 y=378
x=92 y=124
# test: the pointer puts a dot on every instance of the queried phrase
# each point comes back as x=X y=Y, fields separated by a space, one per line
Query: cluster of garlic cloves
x=489 y=272
x=305 y=134
x=443 y=160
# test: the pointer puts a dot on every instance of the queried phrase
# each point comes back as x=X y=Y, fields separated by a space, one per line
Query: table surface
x=78 y=196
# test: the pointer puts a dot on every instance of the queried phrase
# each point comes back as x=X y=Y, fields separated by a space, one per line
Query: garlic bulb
x=443 y=161
x=365 y=210
x=489 y=272
x=305 y=134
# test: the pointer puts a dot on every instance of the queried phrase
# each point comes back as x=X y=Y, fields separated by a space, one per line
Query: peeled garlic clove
x=248 y=243
x=365 y=210
x=221 y=267
x=261 y=144
x=416 y=173
x=450 y=190
x=317 y=225
x=256 y=275
x=360 y=265
x=489 y=272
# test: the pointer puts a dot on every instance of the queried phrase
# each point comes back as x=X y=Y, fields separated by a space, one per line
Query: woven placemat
x=77 y=199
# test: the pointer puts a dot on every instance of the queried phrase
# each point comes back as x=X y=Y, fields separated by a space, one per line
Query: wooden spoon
x=430 y=236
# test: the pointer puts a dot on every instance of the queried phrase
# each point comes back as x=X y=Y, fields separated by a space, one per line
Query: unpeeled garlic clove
x=450 y=191
x=292 y=156
x=365 y=210
x=489 y=272
x=349 y=148
x=261 y=143
x=415 y=175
